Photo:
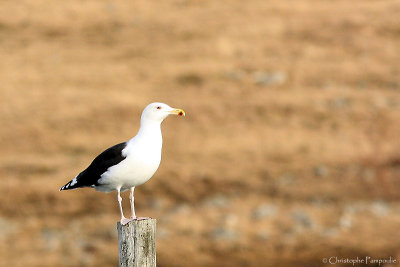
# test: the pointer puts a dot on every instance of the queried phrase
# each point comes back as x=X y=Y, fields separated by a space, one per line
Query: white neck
x=150 y=128
x=149 y=136
x=148 y=140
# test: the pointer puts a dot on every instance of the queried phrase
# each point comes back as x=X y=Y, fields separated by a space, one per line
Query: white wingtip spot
x=74 y=181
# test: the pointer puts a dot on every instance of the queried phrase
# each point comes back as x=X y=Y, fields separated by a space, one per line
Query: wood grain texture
x=137 y=243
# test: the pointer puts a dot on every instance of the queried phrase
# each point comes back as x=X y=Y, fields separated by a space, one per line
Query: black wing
x=99 y=165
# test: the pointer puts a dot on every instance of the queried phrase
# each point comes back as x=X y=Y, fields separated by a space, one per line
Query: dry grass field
x=289 y=153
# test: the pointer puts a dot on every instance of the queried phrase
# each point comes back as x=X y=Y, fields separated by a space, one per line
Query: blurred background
x=289 y=153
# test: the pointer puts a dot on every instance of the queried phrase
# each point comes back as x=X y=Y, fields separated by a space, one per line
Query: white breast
x=143 y=156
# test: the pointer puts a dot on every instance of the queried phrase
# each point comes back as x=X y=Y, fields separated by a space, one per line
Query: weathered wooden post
x=137 y=243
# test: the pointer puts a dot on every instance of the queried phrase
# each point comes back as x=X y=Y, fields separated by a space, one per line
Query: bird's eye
x=158 y=107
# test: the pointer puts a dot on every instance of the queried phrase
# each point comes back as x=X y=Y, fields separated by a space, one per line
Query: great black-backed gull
x=129 y=164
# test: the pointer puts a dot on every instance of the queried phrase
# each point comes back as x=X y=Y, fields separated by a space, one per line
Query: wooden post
x=137 y=243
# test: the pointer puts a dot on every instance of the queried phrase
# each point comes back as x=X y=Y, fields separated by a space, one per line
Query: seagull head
x=159 y=111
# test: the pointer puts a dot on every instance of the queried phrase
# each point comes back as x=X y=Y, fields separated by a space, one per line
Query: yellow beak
x=177 y=111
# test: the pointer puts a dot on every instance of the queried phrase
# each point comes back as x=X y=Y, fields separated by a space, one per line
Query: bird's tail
x=70 y=185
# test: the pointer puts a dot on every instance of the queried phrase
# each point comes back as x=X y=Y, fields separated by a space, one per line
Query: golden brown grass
x=320 y=143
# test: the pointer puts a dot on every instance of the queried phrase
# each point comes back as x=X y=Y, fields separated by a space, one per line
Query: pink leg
x=123 y=219
x=132 y=198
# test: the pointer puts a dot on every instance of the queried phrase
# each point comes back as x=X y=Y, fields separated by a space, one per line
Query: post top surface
x=147 y=220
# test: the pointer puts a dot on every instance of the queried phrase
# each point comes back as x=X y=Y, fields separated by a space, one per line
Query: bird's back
x=91 y=175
